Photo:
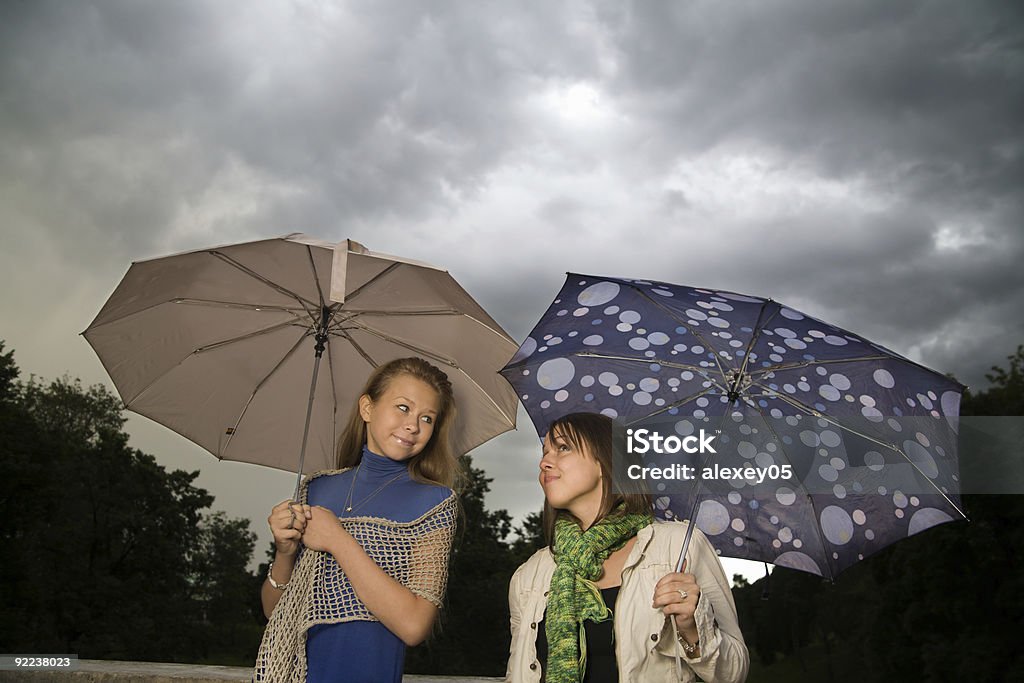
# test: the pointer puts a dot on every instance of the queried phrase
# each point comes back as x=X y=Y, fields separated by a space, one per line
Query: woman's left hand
x=323 y=529
x=677 y=594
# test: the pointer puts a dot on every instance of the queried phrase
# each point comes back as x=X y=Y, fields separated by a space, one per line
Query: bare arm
x=405 y=614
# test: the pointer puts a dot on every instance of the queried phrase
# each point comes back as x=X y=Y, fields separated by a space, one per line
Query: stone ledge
x=102 y=671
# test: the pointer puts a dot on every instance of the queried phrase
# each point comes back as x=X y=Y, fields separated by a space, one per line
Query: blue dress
x=365 y=651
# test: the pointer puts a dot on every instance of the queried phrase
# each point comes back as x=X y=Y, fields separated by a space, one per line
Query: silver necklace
x=349 y=506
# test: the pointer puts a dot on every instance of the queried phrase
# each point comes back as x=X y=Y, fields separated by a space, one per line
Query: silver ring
x=683 y=594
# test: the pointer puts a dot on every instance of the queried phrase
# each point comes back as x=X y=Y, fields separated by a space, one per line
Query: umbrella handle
x=679 y=661
x=691 y=522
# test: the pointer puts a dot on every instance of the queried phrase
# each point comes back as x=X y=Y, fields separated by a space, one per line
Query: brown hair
x=592 y=433
x=436 y=463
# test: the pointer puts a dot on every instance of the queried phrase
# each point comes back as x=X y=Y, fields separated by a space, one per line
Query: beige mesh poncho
x=413 y=553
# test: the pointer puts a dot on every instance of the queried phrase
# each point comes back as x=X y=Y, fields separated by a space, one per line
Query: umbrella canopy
x=867 y=437
x=219 y=344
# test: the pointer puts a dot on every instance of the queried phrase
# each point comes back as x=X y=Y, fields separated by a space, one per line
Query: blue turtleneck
x=401 y=499
x=365 y=650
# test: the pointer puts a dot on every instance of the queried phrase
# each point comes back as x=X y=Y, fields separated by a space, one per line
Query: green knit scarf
x=579 y=556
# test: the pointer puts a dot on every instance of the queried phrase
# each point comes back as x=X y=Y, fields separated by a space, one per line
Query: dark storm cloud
x=86 y=143
x=124 y=112
x=919 y=104
x=849 y=84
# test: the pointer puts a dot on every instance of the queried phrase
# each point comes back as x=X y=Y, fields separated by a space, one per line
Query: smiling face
x=399 y=425
x=571 y=477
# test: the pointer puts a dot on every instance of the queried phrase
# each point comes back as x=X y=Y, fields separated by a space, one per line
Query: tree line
x=109 y=556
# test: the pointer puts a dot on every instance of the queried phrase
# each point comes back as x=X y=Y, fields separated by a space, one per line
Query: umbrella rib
x=892 y=357
x=821 y=539
x=810 y=500
x=233 y=304
x=334 y=395
x=201 y=349
x=195 y=302
x=429 y=354
x=693 y=330
x=675 y=404
x=758 y=326
x=816 y=413
x=357 y=347
x=695 y=507
x=394 y=312
x=753 y=339
x=256 y=276
x=359 y=290
x=259 y=385
x=498 y=333
x=890 y=446
x=426 y=312
x=648 y=361
x=807 y=364
x=250 y=335
x=508 y=420
x=398 y=342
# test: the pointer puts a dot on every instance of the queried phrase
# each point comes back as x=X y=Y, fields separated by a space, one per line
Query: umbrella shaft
x=689 y=533
x=309 y=411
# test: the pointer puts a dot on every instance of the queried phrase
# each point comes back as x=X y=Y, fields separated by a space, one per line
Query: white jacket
x=645 y=647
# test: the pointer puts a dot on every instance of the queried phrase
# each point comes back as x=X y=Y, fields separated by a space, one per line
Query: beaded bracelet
x=275 y=584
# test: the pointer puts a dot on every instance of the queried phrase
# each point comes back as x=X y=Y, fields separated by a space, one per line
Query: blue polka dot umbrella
x=809 y=446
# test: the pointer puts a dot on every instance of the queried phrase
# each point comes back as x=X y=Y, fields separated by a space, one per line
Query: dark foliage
x=473 y=636
x=1005 y=396
x=107 y=554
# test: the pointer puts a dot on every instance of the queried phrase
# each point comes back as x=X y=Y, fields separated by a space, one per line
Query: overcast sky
x=859 y=161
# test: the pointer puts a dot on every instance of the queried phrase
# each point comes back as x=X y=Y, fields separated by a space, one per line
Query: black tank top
x=601 y=664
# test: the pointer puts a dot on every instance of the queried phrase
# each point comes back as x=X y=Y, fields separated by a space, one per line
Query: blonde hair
x=436 y=463
x=591 y=433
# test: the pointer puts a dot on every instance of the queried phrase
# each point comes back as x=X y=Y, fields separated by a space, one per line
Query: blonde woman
x=361 y=564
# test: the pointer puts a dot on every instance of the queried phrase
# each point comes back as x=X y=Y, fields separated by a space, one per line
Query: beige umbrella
x=220 y=345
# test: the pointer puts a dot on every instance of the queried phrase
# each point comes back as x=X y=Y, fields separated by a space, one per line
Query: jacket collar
x=643 y=539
